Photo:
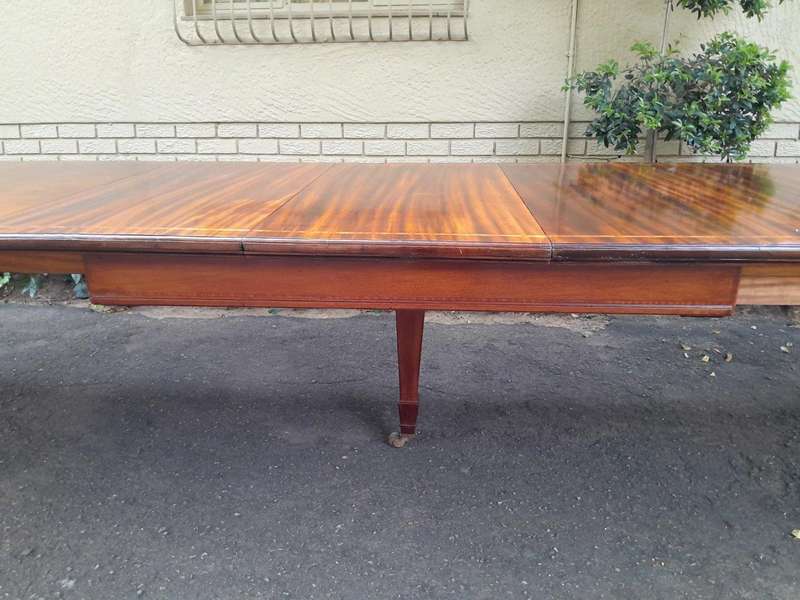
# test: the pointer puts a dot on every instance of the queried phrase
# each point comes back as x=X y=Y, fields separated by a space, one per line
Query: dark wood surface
x=26 y=188
x=412 y=284
x=530 y=212
x=410 y=326
x=189 y=207
x=406 y=210
x=38 y=261
x=665 y=211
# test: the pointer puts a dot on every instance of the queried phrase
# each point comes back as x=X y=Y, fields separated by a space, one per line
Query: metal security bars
x=254 y=22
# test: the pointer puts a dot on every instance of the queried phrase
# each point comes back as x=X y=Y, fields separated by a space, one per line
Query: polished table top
x=577 y=212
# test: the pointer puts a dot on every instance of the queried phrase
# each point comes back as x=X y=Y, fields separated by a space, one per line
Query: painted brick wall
x=339 y=142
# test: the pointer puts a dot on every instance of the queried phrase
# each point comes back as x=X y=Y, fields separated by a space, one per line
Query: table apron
x=37 y=261
x=776 y=284
x=424 y=284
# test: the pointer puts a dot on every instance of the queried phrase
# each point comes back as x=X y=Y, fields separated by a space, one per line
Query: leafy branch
x=709 y=8
x=717 y=101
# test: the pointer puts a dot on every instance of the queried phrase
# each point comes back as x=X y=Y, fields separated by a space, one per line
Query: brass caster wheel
x=399 y=440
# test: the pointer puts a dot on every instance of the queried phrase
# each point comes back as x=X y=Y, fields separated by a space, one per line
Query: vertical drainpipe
x=651 y=140
x=570 y=67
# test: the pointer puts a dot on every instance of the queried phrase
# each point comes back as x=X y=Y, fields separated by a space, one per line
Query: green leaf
x=717 y=101
x=710 y=8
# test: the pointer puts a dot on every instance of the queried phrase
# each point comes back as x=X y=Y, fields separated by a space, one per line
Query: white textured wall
x=119 y=60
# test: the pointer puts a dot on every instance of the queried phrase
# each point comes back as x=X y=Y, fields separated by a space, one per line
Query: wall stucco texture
x=119 y=60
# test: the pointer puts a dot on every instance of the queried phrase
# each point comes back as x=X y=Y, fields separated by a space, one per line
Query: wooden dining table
x=624 y=238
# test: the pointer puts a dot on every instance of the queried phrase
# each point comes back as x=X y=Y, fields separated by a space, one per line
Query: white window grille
x=248 y=22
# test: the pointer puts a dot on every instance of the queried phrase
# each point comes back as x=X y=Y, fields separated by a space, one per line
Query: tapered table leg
x=410 y=324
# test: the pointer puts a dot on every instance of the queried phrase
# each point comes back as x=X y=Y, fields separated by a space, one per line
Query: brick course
x=501 y=142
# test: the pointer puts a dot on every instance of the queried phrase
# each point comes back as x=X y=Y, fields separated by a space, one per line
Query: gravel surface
x=236 y=457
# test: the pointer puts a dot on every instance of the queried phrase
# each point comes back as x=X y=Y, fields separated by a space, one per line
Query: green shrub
x=717 y=101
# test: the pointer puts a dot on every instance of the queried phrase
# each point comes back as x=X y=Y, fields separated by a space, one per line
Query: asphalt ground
x=231 y=456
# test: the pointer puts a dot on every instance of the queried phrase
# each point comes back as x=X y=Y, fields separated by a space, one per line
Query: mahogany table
x=613 y=238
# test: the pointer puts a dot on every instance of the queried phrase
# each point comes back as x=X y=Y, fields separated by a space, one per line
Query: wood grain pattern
x=772 y=284
x=408 y=210
x=25 y=186
x=20 y=261
x=417 y=284
x=599 y=212
x=192 y=207
x=666 y=211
